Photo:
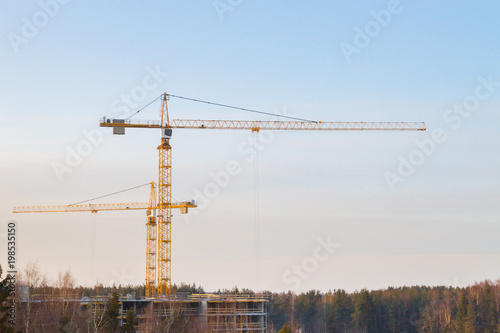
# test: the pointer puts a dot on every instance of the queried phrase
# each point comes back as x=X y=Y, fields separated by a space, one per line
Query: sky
x=306 y=210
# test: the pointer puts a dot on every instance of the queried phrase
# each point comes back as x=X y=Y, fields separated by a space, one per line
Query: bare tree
x=149 y=321
x=97 y=313
x=65 y=282
x=167 y=317
x=496 y=295
x=176 y=320
x=30 y=279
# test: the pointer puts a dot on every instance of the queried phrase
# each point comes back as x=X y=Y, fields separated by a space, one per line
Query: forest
x=404 y=309
x=475 y=308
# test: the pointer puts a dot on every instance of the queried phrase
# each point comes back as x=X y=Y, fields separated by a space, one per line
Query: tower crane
x=162 y=284
x=151 y=206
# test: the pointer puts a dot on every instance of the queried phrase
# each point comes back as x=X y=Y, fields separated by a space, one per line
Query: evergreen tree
x=285 y=329
x=487 y=310
x=471 y=324
x=306 y=309
x=462 y=313
x=113 y=311
x=130 y=322
x=364 y=311
x=339 y=312
x=4 y=308
x=280 y=308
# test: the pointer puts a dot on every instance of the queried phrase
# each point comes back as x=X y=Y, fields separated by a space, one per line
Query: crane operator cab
x=166 y=133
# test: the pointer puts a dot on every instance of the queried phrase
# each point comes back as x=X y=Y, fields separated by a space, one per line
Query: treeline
x=407 y=309
x=475 y=308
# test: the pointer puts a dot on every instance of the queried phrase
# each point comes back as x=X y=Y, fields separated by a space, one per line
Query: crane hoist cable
x=256 y=212
x=92 y=259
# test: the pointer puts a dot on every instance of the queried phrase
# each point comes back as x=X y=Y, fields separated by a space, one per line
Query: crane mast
x=151 y=248
x=164 y=204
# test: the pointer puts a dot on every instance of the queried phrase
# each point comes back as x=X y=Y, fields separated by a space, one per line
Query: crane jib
x=266 y=125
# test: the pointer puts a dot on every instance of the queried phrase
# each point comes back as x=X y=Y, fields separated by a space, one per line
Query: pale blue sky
x=439 y=226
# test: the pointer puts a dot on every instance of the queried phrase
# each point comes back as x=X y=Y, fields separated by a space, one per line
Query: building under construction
x=201 y=312
x=179 y=312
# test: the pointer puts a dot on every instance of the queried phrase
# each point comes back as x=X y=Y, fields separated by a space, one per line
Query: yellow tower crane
x=162 y=284
x=150 y=208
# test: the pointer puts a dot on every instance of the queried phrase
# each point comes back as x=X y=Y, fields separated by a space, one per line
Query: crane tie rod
x=107 y=195
x=241 y=109
x=145 y=106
